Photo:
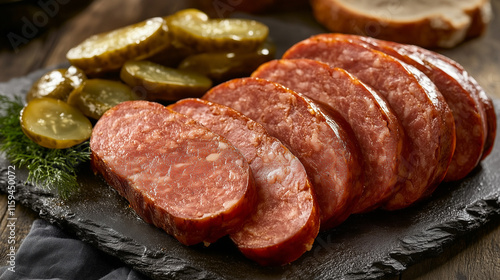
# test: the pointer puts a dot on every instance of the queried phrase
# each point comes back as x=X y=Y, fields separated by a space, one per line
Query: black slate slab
x=368 y=246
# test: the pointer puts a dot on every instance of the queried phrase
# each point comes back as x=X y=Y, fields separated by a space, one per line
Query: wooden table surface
x=45 y=42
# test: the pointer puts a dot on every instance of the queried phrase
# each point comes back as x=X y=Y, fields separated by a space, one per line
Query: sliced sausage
x=286 y=220
x=322 y=141
x=485 y=101
x=422 y=110
x=377 y=130
x=175 y=173
x=470 y=120
x=491 y=117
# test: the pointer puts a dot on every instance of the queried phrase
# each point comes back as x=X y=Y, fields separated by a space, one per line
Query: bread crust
x=430 y=31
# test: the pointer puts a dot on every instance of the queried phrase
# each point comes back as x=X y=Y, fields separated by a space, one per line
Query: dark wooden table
x=60 y=26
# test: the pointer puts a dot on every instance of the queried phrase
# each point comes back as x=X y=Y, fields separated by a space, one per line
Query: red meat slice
x=471 y=125
x=420 y=107
x=175 y=173
x=321 y=140
x=286 y=220
x=377 y=130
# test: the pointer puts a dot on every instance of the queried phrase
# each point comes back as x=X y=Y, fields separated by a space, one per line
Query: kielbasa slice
x=470 y=118
x=421 y=109
x=484 y=100
x=491 y=117
x=175 y=173
x=321 y=140
x=377 y=130
x=284 y=192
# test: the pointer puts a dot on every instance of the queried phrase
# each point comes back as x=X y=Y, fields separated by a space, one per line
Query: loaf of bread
x=429 y=23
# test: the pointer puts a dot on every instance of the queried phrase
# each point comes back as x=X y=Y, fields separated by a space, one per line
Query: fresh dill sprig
x=52 y=169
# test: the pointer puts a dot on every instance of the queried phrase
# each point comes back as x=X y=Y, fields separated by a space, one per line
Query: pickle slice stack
x=162 y=59
x=193 y=28
x=163 y=83
x=109 y=51
x=222 y=66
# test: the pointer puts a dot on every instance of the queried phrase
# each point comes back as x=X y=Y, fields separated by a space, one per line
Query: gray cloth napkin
x=48 y=253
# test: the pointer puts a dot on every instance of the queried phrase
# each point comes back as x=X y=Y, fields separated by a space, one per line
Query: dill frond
x=52 y=169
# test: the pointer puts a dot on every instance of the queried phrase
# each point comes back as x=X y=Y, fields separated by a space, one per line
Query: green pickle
x=163 y=83
x=75 y=76
x=161 y=59
x=187 y=15
x=194 y=28
x=110 y=50
x=172 y=55
x=56 y=84
x=224 y=66
x=94 y=97
x=54 y=124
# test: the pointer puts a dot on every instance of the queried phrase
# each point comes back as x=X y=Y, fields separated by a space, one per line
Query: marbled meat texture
x=175 y=173
x=471 y=124
x=376 y=127
x=323 y=142
x=424 y=114
x=286 y=220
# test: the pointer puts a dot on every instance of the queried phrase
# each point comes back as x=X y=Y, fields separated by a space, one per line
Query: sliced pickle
x=176 y=50
x=163 y=83
x=56 y=84
x=75 y=75
x=172 y=55
x=54 y=124
x=110 y=50
x=53 y=84
x=193 y=28
x=224 y=66
x=188 y=15
x=95 y=96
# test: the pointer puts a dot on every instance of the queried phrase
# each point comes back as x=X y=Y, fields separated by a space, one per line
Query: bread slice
x=429 y=23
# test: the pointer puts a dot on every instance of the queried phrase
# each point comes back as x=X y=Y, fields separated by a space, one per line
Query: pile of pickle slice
x=162 y=59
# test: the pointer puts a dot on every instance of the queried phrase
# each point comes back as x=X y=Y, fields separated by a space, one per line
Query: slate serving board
x=368 y=246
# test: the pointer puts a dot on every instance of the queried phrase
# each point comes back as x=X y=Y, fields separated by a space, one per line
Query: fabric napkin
x=49 y=253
